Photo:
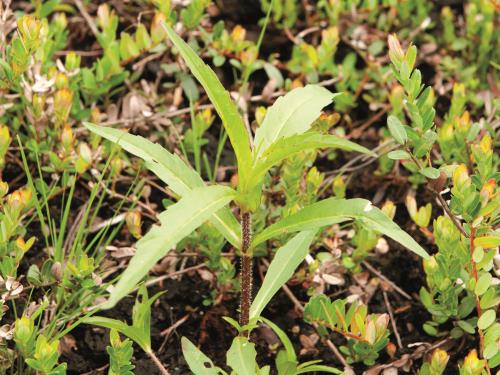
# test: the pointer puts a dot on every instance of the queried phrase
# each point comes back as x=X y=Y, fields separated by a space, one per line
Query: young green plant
x=285 y=131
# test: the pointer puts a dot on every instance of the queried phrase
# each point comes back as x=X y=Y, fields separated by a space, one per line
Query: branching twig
x=381 y=276
x=393 y=321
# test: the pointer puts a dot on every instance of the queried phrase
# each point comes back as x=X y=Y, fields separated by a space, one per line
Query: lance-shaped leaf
x=331 y=211
x=139 y=331
x=177 y=222
x=281 y=269
x=197 y=361
x=241 y=357
x=291 y=114
x=172 y=170
x=225 y=107
x=286 y=147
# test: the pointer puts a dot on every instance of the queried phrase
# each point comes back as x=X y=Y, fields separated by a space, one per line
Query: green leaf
x=288 y=146
x=398 y=155
x=487 y=242
x=331 y=211
x=483 y=283
x=430 y=172
x=487 y=319
x=320 y=369
x=132 y=333
x=172 y=170
x=197 y=361
x=219 y=97
x=281 y=269
x=287 y=344
x=177 y=222
x=291 y=114
x=241 y=357
x=397 y=129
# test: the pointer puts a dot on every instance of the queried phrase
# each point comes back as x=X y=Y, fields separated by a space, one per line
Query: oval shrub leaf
x=397 y=129
x=430 y=172
x=398 y=155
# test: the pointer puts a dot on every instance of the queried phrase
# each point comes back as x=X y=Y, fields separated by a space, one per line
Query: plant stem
x=441 y=200
x=246 y=269
x=478 y=303
x=157 y=362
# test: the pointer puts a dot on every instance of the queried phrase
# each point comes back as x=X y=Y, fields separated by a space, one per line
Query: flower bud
x=72 y=61
x=472 y=364
x=60 y=21
x=158 y=33
x=104 y=17
x=4 y=189
x=38 y=105
x=62 y=81
x=461 y=177
x=389 y=208
x=29 y=29
x=487 y=191
x=4 y=143
x=63 y=100
x=84 y=158
x=133 y=220
x=396 y=53
x=67 y=139
x=238 y=34
x=339 y=186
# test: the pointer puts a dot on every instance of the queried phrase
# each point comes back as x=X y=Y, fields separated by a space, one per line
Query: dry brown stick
x=173 y=274
x=391 y=283
x=393 y=321
x=87 y=17
x=157 y=362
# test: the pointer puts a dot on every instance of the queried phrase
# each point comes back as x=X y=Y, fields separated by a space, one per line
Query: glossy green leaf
x=225 y=107
x=487 y=319
x=241 y=357
x=398 y=155
x=487 y=242
x=197 y=361
x=291 y=114
x=172 y=170
x=331 y=211
x=281 y=269
x=397 y=129
x=483 y=283
x=177 y=222
x=430 y=172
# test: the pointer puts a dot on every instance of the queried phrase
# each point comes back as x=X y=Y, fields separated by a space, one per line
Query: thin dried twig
x=391 y=283
x=393 y=321
x=87 y=17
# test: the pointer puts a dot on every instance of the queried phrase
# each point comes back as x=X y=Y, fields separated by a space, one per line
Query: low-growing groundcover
x=267 y=187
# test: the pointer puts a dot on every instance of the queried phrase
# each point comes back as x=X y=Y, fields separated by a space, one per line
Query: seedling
x=284 y=132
